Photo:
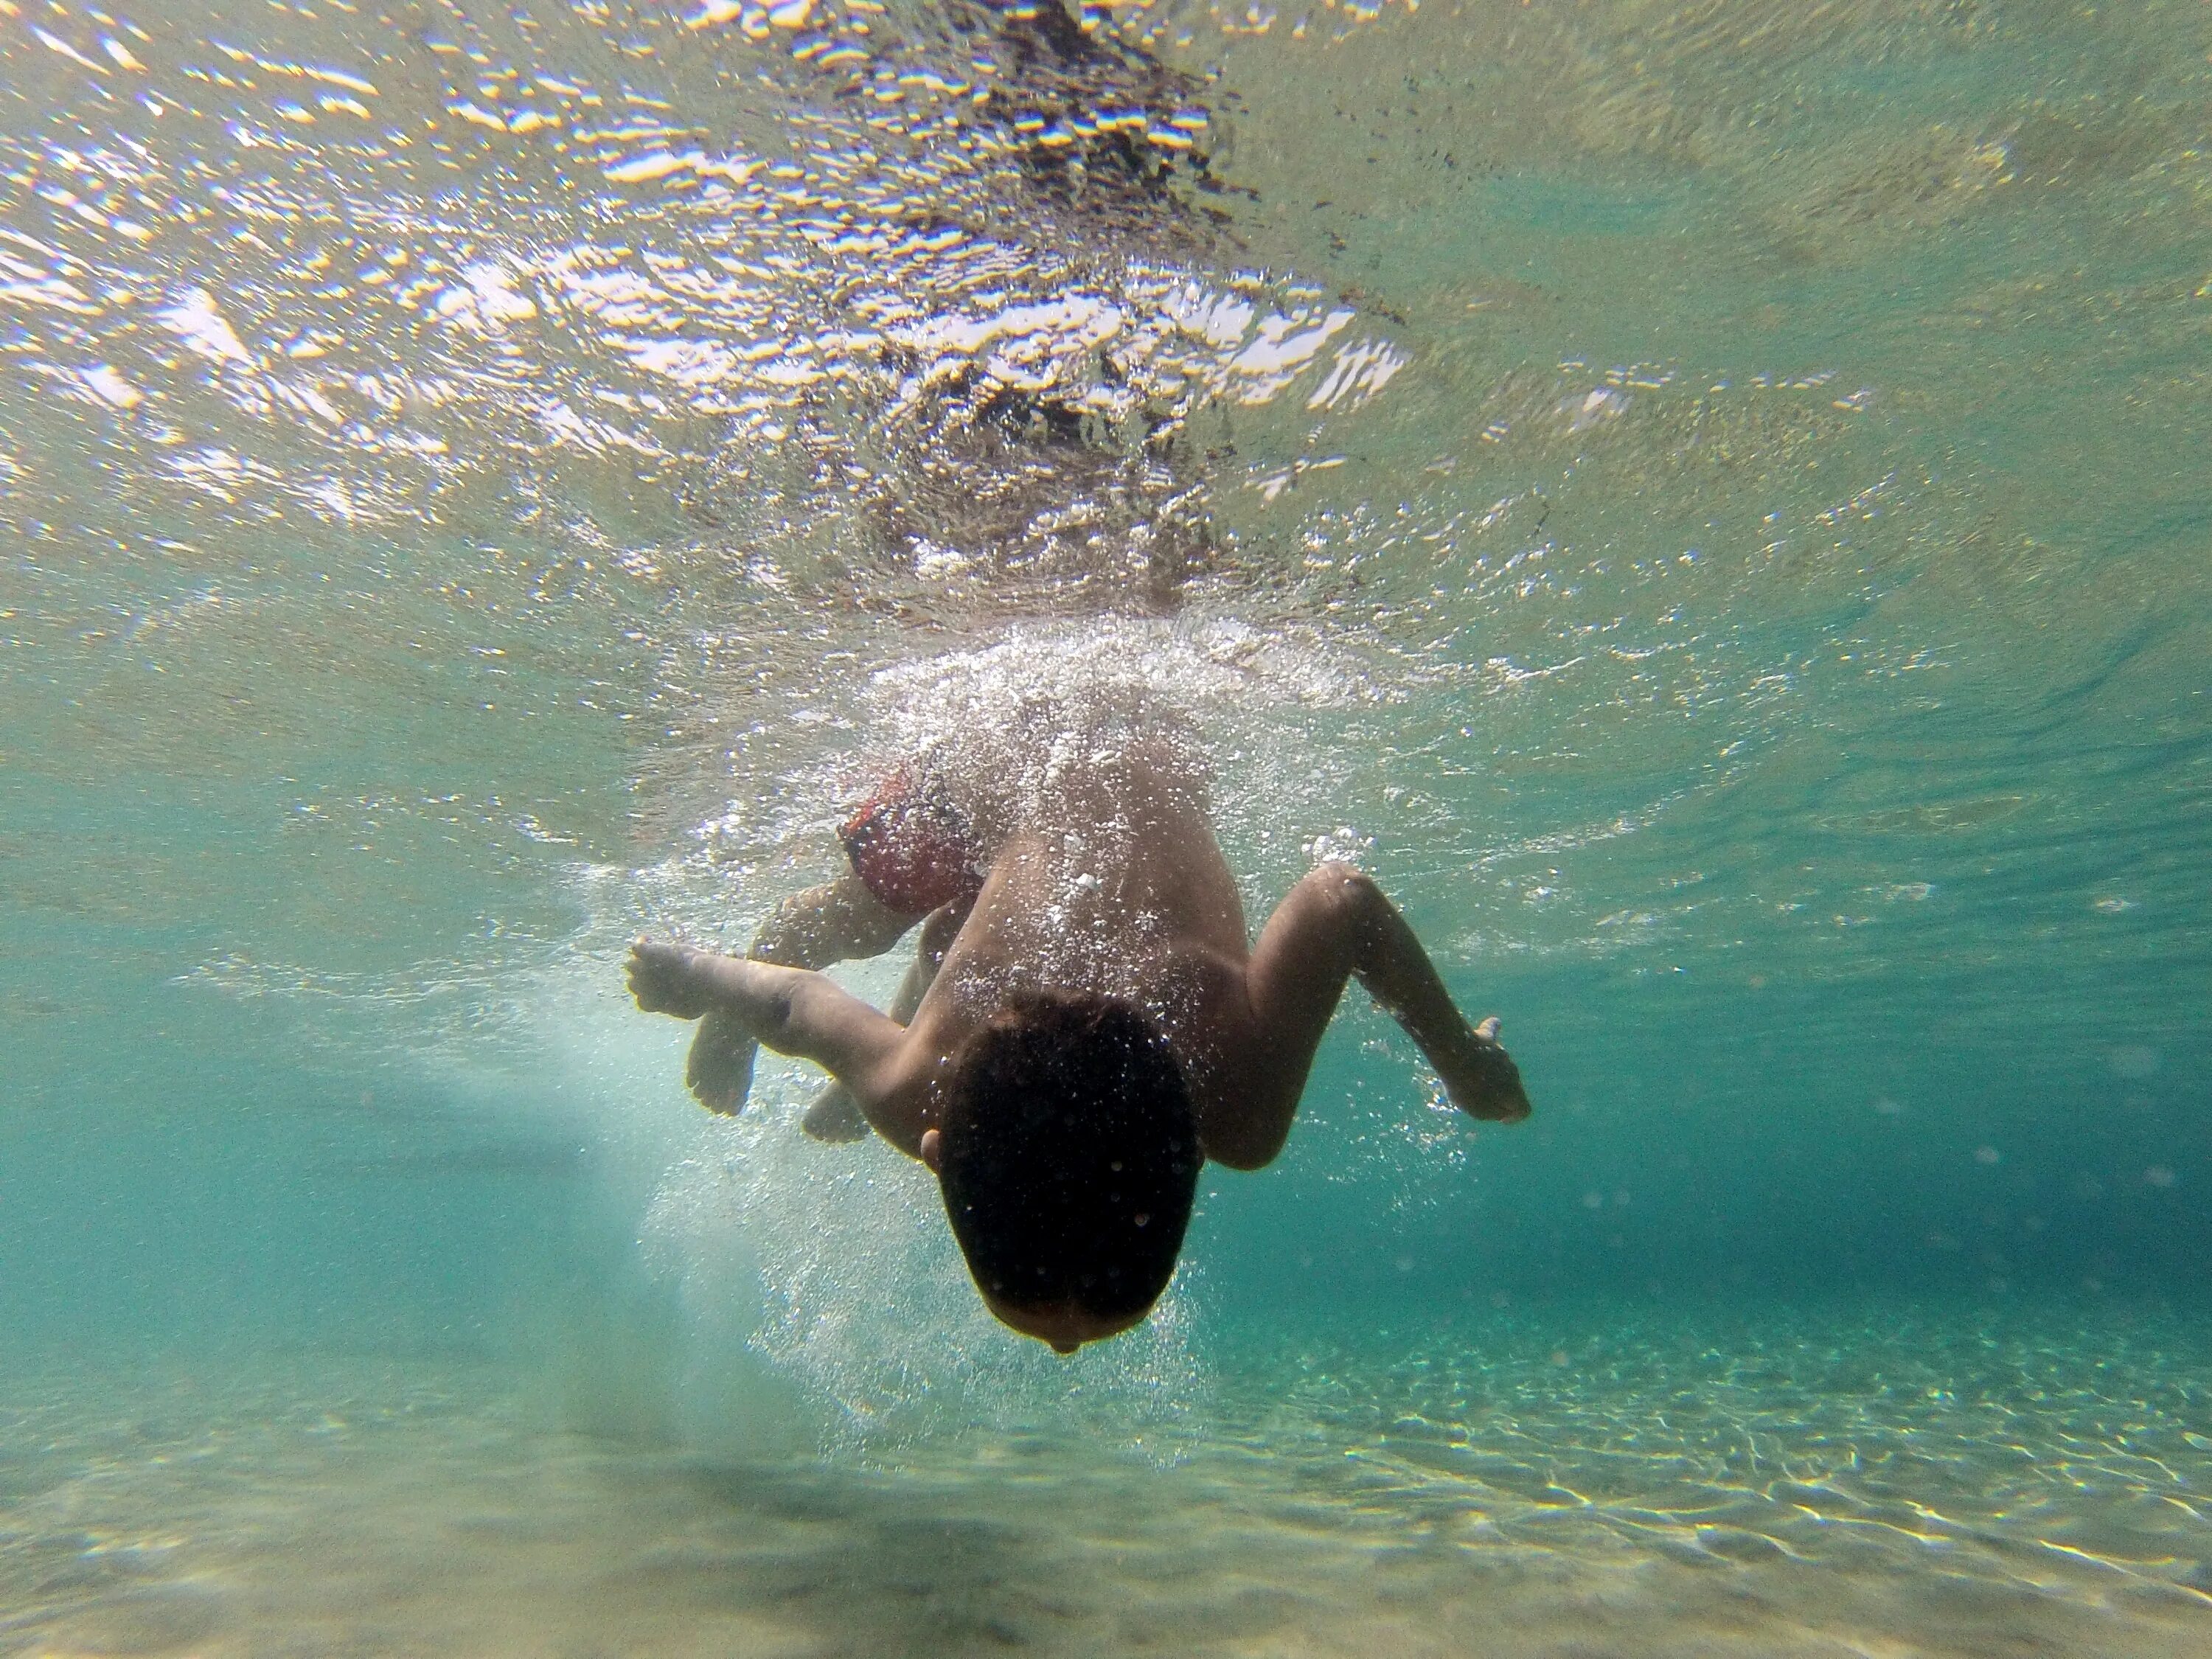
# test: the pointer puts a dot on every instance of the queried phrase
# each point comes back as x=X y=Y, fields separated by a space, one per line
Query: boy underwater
x=1083 y=1024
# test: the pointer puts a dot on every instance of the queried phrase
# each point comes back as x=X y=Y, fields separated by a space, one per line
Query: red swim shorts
x=910 y=849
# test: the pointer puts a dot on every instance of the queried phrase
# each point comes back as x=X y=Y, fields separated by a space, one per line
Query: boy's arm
x=836 y=921
x=835 y=1115
x=1334 y=924
x=792 y=1011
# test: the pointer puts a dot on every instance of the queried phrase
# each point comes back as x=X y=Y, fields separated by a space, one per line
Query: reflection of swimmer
x=1052 y=459
x=1084 y=1023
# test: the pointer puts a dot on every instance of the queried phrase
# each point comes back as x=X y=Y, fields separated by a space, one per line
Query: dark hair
x=1069 y=1155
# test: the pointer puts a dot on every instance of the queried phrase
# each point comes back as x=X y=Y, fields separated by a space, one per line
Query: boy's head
x=1068 y=1157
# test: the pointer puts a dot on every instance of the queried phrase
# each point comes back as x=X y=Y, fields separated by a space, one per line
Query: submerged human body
x=1088 y=966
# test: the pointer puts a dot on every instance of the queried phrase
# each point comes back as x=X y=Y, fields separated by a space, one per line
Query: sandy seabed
x=1888 y=1485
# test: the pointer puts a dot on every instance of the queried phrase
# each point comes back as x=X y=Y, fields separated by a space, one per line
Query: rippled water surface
x=1704 y=502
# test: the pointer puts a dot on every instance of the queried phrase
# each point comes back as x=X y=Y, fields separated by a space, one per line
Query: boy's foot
x=835 y=1116
x=675 y=979
x=720 y=1069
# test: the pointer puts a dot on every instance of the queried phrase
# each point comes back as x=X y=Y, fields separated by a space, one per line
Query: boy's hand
x=1482 y=1079
x=663 y=980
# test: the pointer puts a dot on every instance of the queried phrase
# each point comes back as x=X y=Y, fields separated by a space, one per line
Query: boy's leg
x=838 y=921
x=835 y=1115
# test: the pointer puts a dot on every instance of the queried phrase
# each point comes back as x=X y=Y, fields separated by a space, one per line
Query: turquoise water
x=1707 y=503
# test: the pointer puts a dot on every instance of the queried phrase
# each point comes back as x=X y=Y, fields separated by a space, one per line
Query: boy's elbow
x=1345 y=890
x=1347 y=898
x=772 y=1017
